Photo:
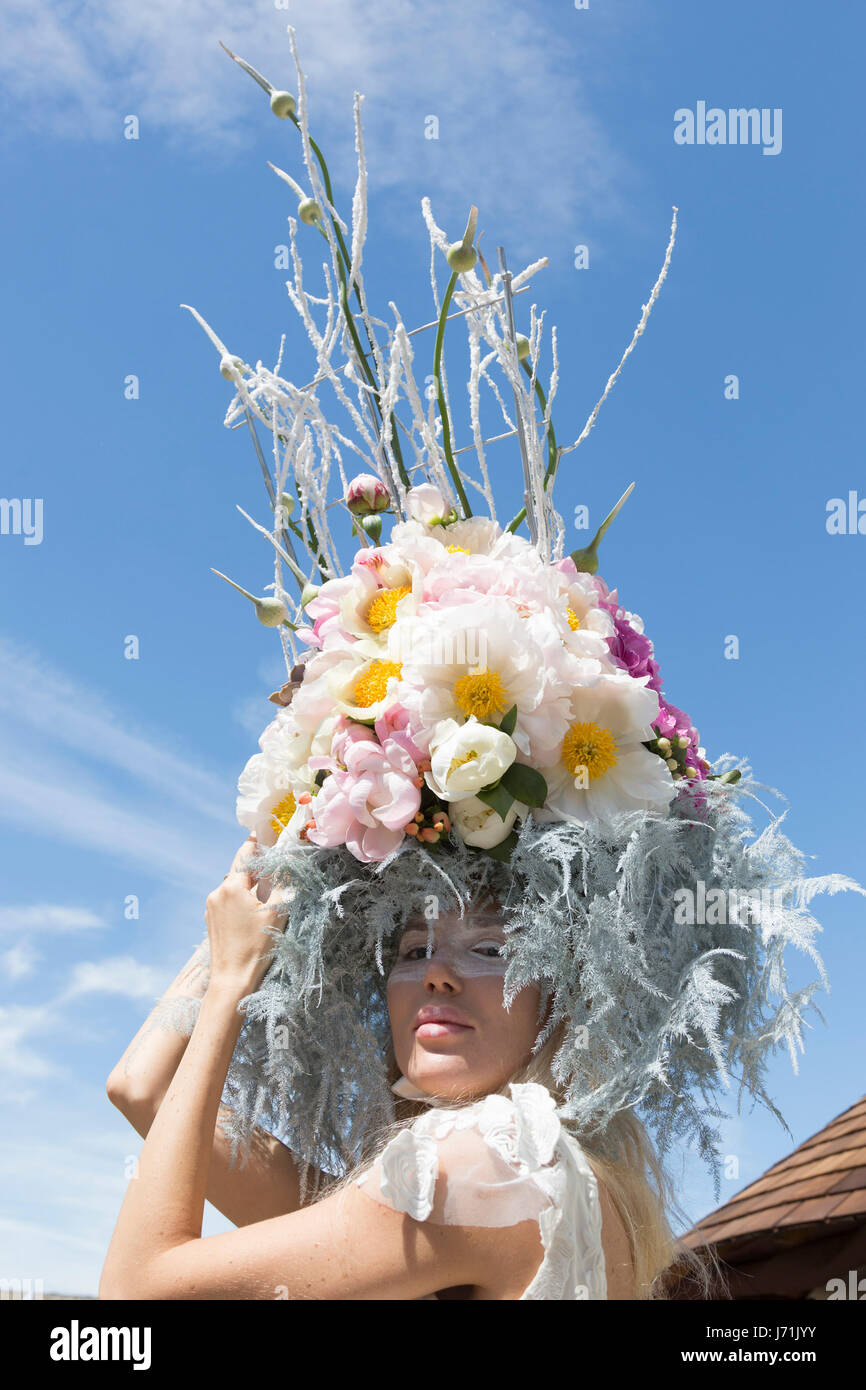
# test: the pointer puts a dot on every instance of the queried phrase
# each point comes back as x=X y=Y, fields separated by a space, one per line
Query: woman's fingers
x=245 y=852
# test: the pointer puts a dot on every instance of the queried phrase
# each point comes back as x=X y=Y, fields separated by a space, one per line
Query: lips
x=435 y=1015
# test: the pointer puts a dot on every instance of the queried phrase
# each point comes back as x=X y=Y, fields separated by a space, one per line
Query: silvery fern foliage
x=664 y=1016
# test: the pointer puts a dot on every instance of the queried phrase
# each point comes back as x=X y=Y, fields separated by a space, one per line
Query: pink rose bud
x=366 y=494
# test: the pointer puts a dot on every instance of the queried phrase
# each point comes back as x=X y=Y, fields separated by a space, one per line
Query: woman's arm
x=267 y=1184
x=142 y=1075
x=344 y=1247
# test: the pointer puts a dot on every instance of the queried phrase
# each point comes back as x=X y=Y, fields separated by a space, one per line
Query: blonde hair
x=638 y=1184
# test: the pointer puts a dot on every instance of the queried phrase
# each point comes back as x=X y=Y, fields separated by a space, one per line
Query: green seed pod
x=522 y=346
x=283 y=104
x=287 y=502
x=309 y=211
x=372 y=524
x=271 y=612
x=308 y=594
x=461 y=255
x=586 y=560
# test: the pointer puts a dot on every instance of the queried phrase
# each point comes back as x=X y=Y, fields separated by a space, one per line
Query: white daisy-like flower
x=477 y=535
x=603 y=769
x=582 y=608
x=272 y=781
x=477 y=660
x=384 y=584
x=364 y=684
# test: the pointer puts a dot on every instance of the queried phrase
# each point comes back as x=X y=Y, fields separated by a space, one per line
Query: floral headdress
x=470 y=707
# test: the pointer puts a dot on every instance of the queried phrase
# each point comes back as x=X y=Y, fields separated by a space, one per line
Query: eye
x=407 y=955
x=491 y=946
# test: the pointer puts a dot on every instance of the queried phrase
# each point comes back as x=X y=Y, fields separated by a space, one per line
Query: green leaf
x=525 y=784
x=498 y=797
x=509 y=720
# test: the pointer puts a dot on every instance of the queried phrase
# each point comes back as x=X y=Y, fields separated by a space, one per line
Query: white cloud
x=509 y=86
x=66 y=711
x=51 y=917
x=100 y=820
x=19 y=962
x=64 y=757
x=17 y=1024
x=115 y=975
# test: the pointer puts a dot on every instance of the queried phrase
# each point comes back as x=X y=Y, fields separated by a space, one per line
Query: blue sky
x=118 y=777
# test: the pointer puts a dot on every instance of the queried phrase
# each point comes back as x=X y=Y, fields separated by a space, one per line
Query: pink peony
x=396 y=724
x=369 y=797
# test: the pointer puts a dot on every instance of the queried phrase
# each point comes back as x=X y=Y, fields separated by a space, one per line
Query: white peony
x=476 y=660
x=478 y=824
x=466 y=757
x=603 y=768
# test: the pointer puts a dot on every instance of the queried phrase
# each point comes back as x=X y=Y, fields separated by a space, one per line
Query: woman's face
x=463 y=977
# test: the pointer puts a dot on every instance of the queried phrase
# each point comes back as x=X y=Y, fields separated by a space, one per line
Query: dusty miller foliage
x=663 y=1016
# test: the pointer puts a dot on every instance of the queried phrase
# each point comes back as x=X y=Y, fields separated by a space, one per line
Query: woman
x=478 y=1235
x=469 y=710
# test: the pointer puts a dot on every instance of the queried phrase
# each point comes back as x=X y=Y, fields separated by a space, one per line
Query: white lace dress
x=496 y=1162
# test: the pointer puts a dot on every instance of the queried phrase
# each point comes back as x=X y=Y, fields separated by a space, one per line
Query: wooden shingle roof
x=823 y=1181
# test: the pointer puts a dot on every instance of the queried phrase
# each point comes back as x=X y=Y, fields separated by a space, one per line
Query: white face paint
x=470 y=947
x=457 y=963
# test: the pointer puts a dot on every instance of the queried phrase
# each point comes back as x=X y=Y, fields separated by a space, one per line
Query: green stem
x=440 y=395
x=552 y=457
x=344 y=256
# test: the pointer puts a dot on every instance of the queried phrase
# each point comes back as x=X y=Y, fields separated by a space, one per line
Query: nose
x=442 y=974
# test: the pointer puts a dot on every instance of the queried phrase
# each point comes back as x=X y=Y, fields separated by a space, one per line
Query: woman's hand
x=240 y=947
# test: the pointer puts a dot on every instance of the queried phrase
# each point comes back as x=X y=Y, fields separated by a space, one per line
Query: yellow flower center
x=481 y=693
x=460 y=762
x=590 y=746
x=382 y=612
x=282 y=813
x=372 y=686
x=457 y=550
x=573 y=619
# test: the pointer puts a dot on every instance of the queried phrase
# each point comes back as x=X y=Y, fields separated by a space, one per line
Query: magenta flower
x=673 y=724
x=370 y=796
x=631 y=650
